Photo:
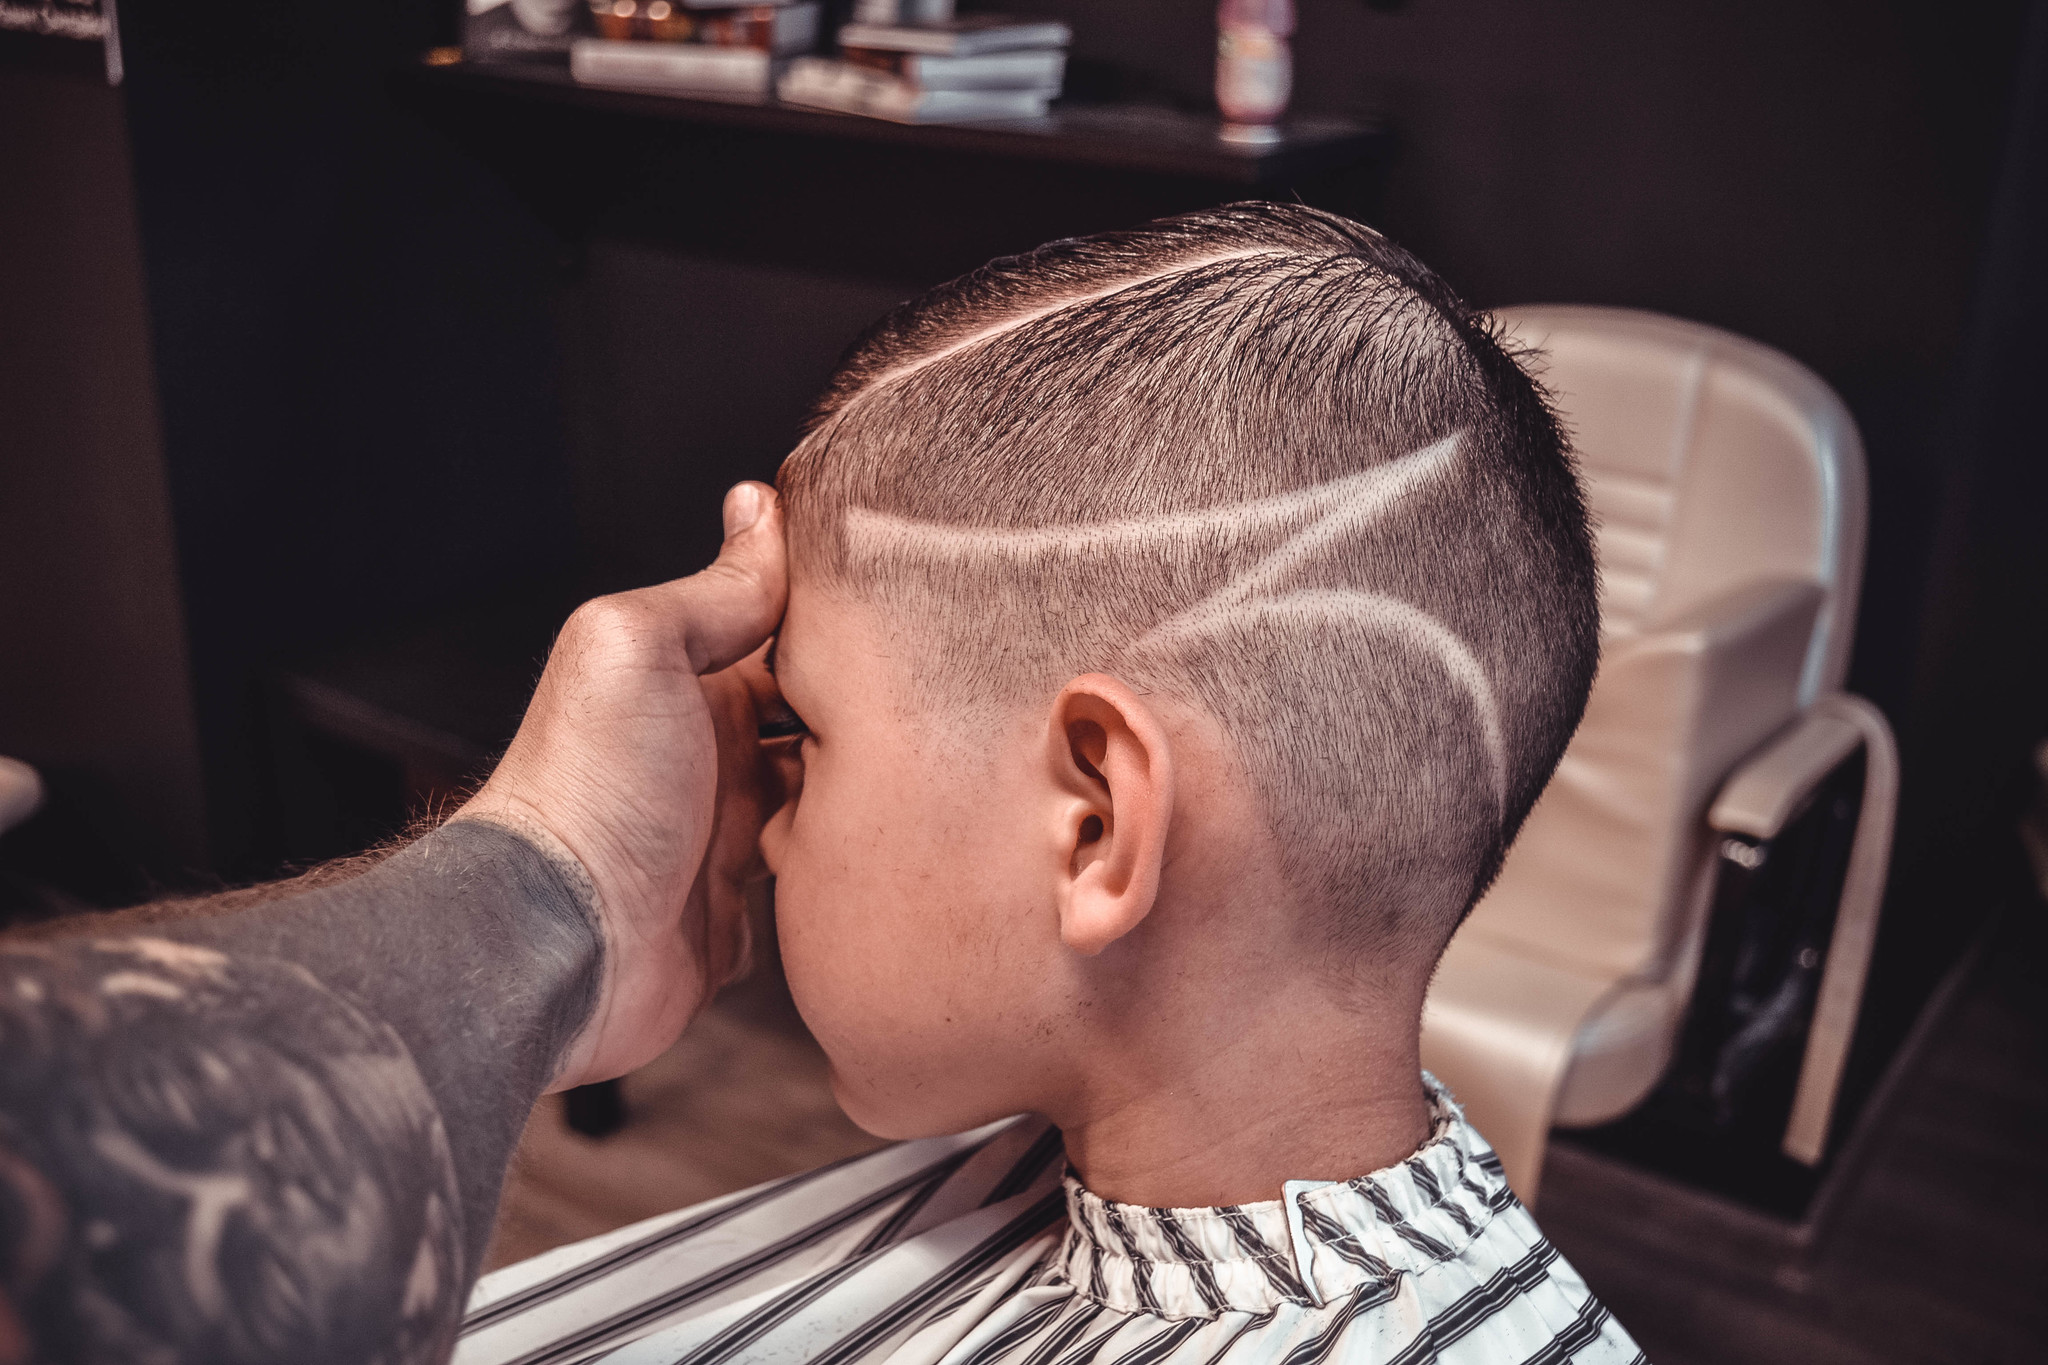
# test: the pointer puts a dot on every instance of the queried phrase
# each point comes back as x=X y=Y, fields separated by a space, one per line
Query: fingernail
x=742 y=508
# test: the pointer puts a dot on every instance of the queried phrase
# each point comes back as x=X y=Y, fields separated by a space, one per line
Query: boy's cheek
x=882 y=908
x=868 y=964
x=901 y=1070
x=844 y=967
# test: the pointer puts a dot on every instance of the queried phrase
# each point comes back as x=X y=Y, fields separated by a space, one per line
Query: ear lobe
x=1113 y=763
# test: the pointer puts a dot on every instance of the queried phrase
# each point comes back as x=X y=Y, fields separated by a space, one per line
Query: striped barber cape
x=979 y=1249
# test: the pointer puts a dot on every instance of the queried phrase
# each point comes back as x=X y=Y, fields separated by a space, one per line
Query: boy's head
x=1172 y=611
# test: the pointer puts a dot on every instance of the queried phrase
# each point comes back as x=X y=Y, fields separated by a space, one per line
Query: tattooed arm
x=279 y=1134
x=275 y=1128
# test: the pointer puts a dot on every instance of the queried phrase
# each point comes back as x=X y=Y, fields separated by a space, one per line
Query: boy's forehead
x=830 y=646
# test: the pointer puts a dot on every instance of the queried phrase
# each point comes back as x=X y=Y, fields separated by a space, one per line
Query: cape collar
x=1321 y=1241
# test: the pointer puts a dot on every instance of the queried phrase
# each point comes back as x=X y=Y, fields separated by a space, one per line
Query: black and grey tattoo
x=210 y=1158
x=278 y=1135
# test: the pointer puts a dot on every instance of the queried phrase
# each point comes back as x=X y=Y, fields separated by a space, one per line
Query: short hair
x=1257 y=459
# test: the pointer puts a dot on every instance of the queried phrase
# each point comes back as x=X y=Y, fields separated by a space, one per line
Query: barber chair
x=1727 y=487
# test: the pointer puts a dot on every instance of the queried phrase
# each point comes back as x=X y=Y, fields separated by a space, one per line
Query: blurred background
x=330 y=378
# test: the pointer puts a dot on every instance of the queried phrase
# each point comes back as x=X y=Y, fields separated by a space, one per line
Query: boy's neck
x=1303 y=1090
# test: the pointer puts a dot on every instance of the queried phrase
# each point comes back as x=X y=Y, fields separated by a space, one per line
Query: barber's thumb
x=737 y=603
x=745 y=503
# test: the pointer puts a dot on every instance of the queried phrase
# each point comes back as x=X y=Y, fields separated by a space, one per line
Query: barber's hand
x=636 y=764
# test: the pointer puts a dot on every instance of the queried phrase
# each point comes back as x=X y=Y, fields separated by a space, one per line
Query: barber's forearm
x=477 y=949
x=280 y=1132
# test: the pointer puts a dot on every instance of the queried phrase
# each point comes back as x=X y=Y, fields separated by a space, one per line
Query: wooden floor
x=1939 y=1255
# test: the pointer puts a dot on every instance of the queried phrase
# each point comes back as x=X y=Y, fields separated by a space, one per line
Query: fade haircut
x=1257 y=459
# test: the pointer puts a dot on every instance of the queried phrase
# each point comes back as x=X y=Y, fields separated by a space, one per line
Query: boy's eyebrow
x=768 y=659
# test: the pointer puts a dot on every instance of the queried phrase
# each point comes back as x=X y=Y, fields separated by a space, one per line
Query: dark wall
x=1975 y=703
x=355 y=342
x=93 y=682
x=1799 y=172
x=685 y=375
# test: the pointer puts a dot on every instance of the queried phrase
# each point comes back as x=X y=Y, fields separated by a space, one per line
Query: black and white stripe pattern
x=978 y=1250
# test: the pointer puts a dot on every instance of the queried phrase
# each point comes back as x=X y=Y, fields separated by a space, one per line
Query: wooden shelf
x=1144 y=139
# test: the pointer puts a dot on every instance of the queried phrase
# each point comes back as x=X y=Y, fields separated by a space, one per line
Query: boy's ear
x=1113 y=765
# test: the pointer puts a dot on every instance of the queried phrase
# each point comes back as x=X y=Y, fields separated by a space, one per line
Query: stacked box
x=693 y=47
x=522 y=30
x=934 y=70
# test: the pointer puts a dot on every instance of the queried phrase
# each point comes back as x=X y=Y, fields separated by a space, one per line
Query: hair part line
x=1026 y=318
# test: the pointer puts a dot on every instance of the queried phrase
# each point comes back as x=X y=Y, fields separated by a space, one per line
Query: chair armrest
x=1774 y=784
x=1840 y=1001
x=1758 y=801
x=21 y=792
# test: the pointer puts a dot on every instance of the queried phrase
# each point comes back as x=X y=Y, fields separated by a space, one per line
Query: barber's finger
x=729 y=609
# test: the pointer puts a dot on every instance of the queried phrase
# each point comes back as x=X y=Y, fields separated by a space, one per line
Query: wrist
x=512 y=816
x=476 y=946
x=516 y=818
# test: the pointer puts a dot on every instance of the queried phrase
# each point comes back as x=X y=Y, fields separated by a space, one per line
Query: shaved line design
x=1355 y=498
x=1376 y=612
x=1320 y=515
x=1029 y=316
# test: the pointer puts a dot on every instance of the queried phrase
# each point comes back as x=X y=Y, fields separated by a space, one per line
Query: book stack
x=693 y=47
x=912 y=62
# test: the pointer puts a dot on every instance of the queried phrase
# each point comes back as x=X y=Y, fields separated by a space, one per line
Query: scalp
x=1261 y=460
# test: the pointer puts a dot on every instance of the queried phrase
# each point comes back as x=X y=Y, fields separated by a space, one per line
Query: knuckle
x=607 y=631
x=604 y=620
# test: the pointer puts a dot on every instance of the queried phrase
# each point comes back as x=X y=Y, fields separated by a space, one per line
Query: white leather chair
x=1727 y=484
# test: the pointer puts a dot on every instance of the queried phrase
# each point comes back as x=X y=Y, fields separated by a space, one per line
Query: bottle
x=1254 y=69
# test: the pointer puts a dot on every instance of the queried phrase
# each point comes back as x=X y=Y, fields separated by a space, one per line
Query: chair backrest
x=1714 y=466
x=1711 y=461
